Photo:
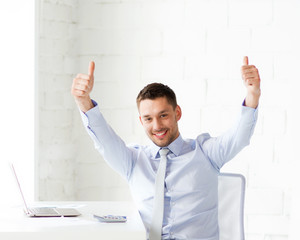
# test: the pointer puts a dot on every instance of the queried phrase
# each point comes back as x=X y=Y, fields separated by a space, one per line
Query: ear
x=178 y=113
x=141 y=120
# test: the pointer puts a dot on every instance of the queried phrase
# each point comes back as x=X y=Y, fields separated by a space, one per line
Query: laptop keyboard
x=43 y=210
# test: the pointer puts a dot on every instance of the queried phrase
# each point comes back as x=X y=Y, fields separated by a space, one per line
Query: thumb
x=91 y=68
x=245 y=61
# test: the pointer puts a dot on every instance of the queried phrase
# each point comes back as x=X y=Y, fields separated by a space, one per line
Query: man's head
x=156 y=90
x=159 y=113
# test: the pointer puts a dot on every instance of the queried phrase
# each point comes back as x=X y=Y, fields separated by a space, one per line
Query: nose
x=157 y=124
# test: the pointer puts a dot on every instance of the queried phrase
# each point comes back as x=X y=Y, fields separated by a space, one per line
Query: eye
x=163 y=115
x=147 y=119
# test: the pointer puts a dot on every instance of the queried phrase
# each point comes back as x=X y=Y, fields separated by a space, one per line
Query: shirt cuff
x=250 y=111
x=90 y=114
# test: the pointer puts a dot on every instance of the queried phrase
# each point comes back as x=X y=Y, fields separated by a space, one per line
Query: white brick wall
x=57 y=57
x=195 y=46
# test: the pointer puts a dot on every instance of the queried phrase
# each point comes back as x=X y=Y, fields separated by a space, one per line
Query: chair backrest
x=231 y=206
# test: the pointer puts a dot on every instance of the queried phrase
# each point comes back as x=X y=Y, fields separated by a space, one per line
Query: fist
x=251 y=77
x=83 y=83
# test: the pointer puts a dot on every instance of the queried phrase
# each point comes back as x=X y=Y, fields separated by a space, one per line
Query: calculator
x=111 y=218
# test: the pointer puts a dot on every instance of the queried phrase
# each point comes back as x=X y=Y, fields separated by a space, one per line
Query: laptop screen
x=19 y=186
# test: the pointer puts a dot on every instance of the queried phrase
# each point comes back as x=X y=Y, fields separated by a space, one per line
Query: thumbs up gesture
x=82 y=87
x=251 y=79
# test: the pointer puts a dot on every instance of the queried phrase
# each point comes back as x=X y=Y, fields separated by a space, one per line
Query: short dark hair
x=156 y=90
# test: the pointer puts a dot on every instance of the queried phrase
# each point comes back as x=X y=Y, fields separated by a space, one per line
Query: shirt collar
x=175 y=147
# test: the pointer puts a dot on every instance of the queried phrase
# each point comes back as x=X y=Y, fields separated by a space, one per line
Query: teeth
x=160 y=134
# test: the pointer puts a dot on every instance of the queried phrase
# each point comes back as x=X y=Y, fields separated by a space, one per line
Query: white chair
x=231 y=206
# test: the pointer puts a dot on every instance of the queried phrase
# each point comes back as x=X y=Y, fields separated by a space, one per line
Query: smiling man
x=173 y=181
x=159 y=113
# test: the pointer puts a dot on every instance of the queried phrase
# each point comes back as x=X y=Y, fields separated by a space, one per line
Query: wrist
x=84 y=103
x=252 y=99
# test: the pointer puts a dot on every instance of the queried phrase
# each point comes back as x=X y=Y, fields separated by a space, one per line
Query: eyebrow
x=161 y=112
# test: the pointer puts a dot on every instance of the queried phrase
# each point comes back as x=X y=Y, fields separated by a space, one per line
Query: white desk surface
x=15 y=225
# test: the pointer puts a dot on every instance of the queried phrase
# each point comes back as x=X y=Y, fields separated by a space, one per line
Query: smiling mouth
x=161 y=134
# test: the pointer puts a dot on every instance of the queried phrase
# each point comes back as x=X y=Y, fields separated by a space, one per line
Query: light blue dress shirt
x=191 y=182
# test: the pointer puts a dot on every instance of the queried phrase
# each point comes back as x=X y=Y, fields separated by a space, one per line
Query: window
x=17 y=48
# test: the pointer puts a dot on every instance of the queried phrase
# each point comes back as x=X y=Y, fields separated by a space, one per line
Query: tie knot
x=163 y=152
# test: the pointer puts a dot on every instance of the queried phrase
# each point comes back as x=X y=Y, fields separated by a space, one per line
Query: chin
x=160 y=144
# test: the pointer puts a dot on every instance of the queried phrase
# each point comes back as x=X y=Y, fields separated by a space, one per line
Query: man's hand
x=251 y=79
x=82 y=87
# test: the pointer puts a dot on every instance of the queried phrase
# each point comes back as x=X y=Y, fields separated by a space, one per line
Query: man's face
x=159 y=120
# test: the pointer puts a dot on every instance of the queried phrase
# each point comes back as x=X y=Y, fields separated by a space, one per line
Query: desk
x=15 y=225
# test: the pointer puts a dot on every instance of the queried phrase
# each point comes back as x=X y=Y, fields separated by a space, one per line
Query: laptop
x=44 y=211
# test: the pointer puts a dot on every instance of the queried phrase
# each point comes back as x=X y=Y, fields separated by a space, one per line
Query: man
x=189 y=208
